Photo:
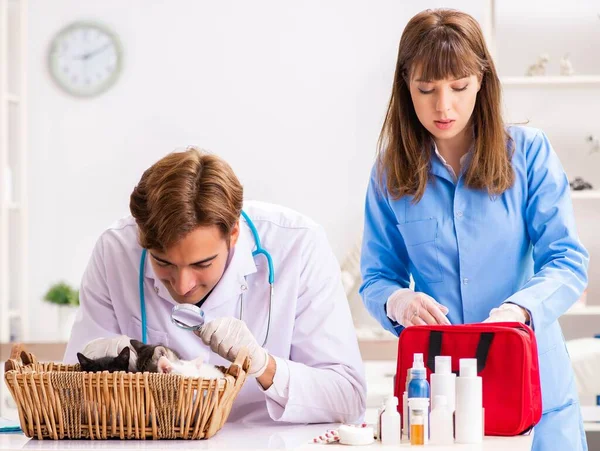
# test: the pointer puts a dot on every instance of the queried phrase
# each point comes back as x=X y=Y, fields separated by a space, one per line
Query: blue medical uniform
x=472 y=252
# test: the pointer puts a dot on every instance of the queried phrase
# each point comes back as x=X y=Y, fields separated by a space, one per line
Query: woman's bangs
x=445 y=59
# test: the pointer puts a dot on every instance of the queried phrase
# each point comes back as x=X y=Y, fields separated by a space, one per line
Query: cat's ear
x=124 y=354
x=198 y=362
x=83 y=360
x=137 y=345
x=164 y=365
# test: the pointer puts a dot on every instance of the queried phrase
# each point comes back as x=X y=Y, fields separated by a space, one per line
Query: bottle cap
x=418 y=360
x=443 y=364
x=468 y=367
x=418 y=403
x=391 y=403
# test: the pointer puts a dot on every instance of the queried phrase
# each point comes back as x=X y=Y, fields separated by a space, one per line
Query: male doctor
x=187 y=214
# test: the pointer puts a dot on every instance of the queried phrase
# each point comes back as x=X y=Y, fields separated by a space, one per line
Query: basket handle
x=18 y=357
x=13 y=361
x=241 y=362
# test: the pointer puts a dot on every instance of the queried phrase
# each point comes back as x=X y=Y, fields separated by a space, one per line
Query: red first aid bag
x=507 y=362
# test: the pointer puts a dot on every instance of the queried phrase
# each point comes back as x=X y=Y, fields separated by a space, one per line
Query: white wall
x=292 y=94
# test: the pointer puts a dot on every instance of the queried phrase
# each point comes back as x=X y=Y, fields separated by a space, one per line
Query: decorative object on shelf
x=539 y=68
x=595 y=143
x=66 y=298
x=578 y=184
x=566 y=67
x=85 y=59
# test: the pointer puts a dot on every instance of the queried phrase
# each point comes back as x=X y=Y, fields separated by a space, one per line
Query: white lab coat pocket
x=155 y=337
x=420 y=240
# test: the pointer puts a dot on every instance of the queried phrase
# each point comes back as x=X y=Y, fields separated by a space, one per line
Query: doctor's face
x=193 y=266
x=444 y=107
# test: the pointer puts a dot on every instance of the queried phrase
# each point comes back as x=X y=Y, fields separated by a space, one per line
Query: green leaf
x=62 y=293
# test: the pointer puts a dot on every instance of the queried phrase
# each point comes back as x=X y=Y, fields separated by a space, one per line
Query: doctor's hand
x=226 y=336
x=409 y=308
x=508 y=312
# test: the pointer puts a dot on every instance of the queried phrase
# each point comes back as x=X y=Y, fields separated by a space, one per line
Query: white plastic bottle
x=440 y=427
x=469 y=403
x=405 y=406
x=390 y=423
x=443 y=382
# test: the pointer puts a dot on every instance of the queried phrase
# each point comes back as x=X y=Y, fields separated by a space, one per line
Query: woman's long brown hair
x=443 y=44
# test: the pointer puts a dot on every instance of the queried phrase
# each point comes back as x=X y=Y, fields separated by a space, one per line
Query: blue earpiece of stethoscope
x=259 y=250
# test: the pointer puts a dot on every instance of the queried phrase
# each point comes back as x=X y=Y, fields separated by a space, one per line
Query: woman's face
x=444 y=107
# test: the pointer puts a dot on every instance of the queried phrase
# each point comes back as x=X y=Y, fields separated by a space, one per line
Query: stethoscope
x=189 y=316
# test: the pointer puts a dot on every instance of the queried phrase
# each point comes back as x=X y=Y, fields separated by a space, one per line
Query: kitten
x=110 y=364
x=110 y=347
x=148 y=355
x=189 y=368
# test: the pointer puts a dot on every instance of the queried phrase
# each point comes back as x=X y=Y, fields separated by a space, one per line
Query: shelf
x=583 y=311
x=585 y=194
x=548 y=80
x=13 y=148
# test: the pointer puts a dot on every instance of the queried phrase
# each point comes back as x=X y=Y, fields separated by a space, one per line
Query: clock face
x=85 y=59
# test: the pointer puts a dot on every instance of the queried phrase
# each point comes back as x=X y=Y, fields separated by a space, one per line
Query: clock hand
x=100 y=50
x=88 y=55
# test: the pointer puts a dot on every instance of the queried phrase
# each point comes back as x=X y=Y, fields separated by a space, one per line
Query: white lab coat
x=311 y=334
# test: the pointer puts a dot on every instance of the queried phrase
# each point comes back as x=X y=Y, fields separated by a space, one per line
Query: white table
x=243 y=437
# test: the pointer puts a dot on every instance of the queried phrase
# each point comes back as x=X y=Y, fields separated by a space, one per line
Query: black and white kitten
x=110 y=364
x=148 y=355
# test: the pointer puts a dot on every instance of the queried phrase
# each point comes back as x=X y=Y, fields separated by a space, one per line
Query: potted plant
x=66 y=298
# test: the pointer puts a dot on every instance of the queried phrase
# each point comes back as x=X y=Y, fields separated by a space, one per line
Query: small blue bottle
x=418 y=387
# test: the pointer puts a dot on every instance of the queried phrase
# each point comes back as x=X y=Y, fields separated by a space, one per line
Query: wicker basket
x=58 y=401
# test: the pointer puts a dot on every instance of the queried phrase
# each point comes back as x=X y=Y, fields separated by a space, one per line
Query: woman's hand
x=409 y=308
x=508 y=312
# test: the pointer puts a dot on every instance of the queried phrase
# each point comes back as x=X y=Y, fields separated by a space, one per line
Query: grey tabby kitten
x=148 y=355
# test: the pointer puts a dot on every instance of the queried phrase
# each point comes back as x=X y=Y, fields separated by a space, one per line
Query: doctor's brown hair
x=184 y=191
x=441 y=44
